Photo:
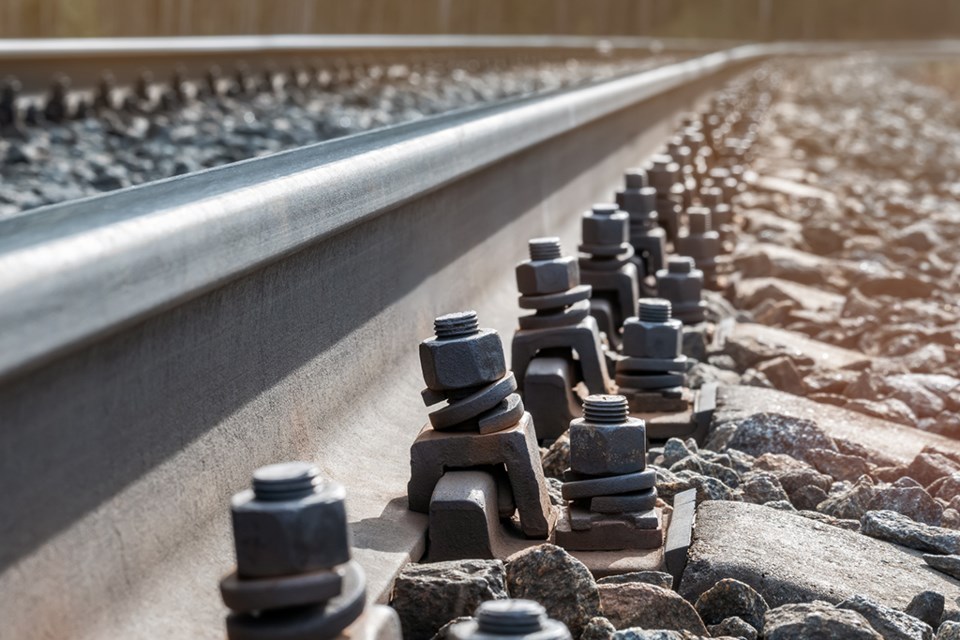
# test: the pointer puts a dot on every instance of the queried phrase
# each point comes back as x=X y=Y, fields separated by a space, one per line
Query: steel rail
x=76 y=271
x=158 y=343
x=37 y=61
x=58 y=48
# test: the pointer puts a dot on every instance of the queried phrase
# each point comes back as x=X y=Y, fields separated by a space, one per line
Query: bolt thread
x=682 y=264
x=544 y=248
x=654 y=310
x=604 y=409
x=285 y=481
x=455 y=325
x=636 y=179
x=510 y=617
x=699 y=221
x=605 y=210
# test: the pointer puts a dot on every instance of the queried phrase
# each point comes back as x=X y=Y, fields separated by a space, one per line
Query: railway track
x=158 y=343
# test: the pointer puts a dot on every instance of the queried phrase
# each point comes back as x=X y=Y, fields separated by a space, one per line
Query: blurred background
x=735 y=19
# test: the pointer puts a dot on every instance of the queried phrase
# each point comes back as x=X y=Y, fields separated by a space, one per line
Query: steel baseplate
x=671 y=556
x=667 y=418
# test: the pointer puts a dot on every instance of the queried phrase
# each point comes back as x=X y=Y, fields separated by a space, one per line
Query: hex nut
x=608 y=230
x=652 y=339
x=704 y=248
x=607 y=449
x=464 y=361
x=680 y=288
x=284 y=537
x=539 y=277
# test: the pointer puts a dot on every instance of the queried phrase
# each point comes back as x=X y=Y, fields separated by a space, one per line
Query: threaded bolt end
x=654 y=310
x=605 y=210
x=285 y=481
x=699 y=219
x=455 y=325
x=510 y=617
x=682 y=264
x=604 y=409
x=636 y=179
x=544 y=248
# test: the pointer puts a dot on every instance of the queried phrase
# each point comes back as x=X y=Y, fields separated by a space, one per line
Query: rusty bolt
x=292 y=521
x=653 y=334
x=519 y=619
x=461 y=355
x=547 y=271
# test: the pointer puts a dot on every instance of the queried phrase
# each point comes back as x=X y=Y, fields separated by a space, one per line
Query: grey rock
x=598 y=628
x=728 y=598
x=898 y=528
x=913 y=502
x=734 y=627
x=557 y=457
x=761 y=487
x=704 y=467
x=808 y=497
x=927 y=606
x=555 y=491
x=838 y=465
x=739 y=461
x=781 y=463
x=888 y=622
x=780 y=505
x=674 y=450
x=929 y=466
x=851 y=503
x=707 y=488
x=561 y=583
x=636 y=604
x=652 y=634
x=787 y=558
x=948 y=564
x=658 y=578
x=720 y=436
x=842 y=523
x=816 y=621
x=756 y=378
x=427 y=596
x=949 y=630
x=776 y=433
x=443 y=632
x=702 y=373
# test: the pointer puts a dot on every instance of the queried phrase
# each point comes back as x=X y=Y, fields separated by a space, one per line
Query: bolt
x=547 y=271
x=653 y=333
x=654 y=310
x=605 y=231
x=636 y=179
x=461 y=355
x=605 y=409
x=455 y=325
x=290 y=522
x=682 y=284
x=142 y=87
x=680 y=264
x=545 y=248
x=510 y=618
x=699 y=220
x=285 y=481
